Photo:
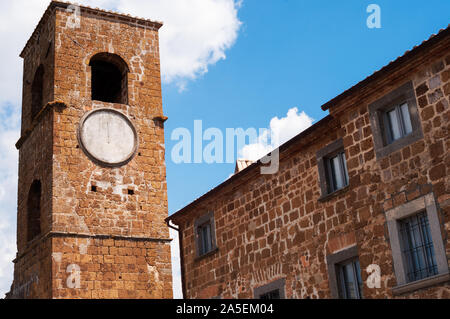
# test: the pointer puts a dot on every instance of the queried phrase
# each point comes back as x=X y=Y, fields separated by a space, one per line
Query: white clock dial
x=108 y=136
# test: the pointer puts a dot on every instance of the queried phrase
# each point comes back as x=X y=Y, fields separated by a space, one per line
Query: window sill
x=399 y=144
x=334 y=194
x=421 y=284
x=212 y=252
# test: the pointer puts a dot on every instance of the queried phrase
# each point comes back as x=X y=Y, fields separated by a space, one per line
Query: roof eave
x=295 y=140
x=64 y=5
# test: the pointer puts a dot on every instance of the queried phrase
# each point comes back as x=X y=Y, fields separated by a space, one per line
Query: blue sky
x=229 y=63
x=289 y=53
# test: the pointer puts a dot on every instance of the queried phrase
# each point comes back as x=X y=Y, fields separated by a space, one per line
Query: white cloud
x=7 y=253
x=17 y=21
x=196 y=35
x=281 y=131
x=9 y=134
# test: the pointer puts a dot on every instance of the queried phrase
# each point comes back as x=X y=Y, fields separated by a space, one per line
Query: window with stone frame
x=344 y=274
x=274 y=290
x=417 y=246
x=332 y=165
x=349 y=279
x=395 y=121
x=205 y=234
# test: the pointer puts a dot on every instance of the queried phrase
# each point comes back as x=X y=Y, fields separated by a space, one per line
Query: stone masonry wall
x=144 y=269
x=276 y=226
x=110 y=268
x=76 y=208
x=41 y=52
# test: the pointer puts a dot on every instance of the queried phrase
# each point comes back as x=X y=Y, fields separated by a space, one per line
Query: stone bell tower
x=92 y=194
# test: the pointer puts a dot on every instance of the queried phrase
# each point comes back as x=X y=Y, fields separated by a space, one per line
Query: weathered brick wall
x=404 y=175
x=40 y=52
x=33 y=261
x=118 y=242
x=268 y=227
x=276 y=226
x=32 y=272
x=111 y=268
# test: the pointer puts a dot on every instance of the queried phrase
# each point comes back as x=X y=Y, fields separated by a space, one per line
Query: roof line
x=432 y=40
x=326 y=120
x=108 y=13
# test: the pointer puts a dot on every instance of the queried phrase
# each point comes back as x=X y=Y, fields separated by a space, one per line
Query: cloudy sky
x=230 y=63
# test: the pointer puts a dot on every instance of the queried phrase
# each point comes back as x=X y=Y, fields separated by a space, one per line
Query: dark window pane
x=205 y=240
x=200 y=241
x=398 y=123
x=418 y=248
x=275 y=294
x=338 y=175
x=358 y=278
x=350 y=280
x=207 y=237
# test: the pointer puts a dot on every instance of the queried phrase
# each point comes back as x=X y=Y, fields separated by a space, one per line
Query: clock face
x=108 y=137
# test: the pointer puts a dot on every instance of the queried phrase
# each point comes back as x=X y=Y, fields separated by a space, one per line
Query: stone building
x=360 y=207
x=92 y=202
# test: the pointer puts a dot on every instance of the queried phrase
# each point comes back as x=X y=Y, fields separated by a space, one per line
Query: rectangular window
x=337 y=172
x=204 y=236
x=398 y=123
x=332 y=167
x=350 y=283
x=418 y=250
x=395 y=121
